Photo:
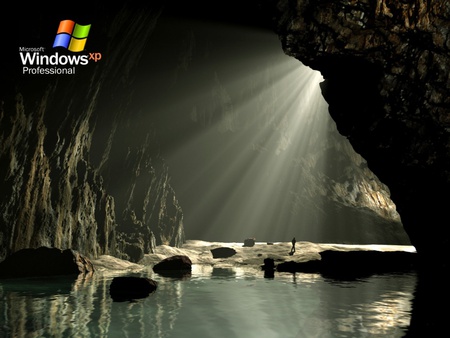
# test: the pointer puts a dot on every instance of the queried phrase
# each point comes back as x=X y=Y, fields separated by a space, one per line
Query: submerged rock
x=127 y=288
x=45 y=261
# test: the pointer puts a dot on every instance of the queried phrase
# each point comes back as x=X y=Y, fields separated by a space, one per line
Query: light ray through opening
x=245 y=134
x=253 y=122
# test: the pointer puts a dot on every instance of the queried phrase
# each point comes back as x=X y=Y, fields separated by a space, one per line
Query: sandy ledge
x=253 y=257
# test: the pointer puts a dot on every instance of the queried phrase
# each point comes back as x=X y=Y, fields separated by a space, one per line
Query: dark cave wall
x=75 y=173
x=386 y=69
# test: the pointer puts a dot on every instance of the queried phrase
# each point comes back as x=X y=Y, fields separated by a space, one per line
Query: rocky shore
x=334 y=260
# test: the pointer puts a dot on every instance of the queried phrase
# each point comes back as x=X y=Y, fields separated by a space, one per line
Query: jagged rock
x=223 y=252
x=45 y=261
x=249 y=242
x=127 y=288
x=82 y=171
x=134 y=251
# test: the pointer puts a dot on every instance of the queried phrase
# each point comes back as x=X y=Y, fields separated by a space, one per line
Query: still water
x=212 y=302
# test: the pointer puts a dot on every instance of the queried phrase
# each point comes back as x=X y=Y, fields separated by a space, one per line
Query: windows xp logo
x=71 y=36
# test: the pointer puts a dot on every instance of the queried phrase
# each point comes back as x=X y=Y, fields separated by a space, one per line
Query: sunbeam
x=254 y=123
x=250 y=145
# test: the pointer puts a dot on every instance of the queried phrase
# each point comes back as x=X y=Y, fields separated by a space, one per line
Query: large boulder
x=175 y=266
x=223 y=252
x=45 y=261
x=127 y=288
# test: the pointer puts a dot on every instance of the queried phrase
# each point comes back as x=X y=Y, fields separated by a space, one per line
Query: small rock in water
x=268 y=267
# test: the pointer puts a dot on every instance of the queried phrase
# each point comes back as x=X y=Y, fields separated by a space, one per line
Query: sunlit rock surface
x=386 y=70
x=200 y=255
x=199 y=252
x=106 y=265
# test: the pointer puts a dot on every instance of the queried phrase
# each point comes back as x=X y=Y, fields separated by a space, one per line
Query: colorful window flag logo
x=71 y=36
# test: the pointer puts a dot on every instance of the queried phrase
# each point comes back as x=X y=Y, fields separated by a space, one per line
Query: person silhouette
x=293 y=246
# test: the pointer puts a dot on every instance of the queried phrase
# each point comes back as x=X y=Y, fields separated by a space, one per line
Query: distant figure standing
x=293 y=246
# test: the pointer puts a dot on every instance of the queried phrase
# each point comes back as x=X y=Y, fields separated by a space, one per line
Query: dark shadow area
x=429 y=315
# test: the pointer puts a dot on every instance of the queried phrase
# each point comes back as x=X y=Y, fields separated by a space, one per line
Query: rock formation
x=75 y=173
x=386 y=70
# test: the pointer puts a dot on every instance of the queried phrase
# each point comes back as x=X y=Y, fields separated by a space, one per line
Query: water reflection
x=36 y=307
x=379 y=305
x=231 y=302
x=223 y=272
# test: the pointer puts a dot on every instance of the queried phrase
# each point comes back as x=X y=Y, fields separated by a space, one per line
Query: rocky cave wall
x=386 y=67
x=75 y=174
